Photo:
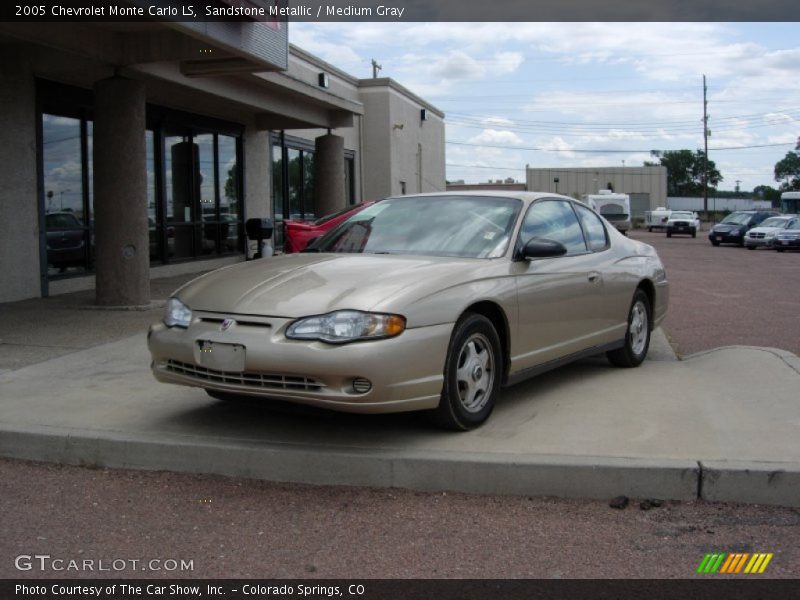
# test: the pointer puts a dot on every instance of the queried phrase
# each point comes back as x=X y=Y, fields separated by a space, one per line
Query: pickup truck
x=682 y=221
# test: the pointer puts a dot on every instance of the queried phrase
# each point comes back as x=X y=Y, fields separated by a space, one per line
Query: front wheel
x=779 y=249
x=714 y=243
x=472 y=373
x=694 y=233
x=669 y=233
x=751 y=247
x=637 y=338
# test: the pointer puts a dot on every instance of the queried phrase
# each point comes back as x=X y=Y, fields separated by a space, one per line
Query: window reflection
x=65 y=210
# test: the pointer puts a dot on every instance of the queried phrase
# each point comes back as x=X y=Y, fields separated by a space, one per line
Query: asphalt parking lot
x=238 y=527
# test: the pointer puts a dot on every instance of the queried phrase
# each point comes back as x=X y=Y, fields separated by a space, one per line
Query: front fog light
x=177 y=314
x=361 y=385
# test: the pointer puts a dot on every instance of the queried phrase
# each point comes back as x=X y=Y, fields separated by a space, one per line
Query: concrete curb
x=751 y=482
x=480 y=473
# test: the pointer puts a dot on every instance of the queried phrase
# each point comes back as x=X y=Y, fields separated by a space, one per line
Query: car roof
x=519 y=195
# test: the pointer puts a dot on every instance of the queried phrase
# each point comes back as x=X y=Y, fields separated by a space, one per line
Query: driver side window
x=554 y=220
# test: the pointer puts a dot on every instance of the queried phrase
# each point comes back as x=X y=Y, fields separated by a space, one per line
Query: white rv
x=615 y=208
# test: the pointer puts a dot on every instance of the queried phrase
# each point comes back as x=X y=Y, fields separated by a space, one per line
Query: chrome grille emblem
x=227 y=324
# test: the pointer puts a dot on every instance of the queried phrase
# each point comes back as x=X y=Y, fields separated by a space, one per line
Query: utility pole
x=705 y=147
x=375 y=68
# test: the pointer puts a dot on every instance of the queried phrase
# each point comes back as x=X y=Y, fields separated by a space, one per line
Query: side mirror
x=538 y=247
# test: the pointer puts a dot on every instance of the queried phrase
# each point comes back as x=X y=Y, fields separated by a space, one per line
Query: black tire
x=694 y=233
x=779 y=249
x=751 y=247
x=650 y=229
x=472 y=373
x=637 y=336
x=669 y=233
x=714 y=243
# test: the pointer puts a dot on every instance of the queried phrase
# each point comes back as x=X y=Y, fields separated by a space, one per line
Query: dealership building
x=137 y=150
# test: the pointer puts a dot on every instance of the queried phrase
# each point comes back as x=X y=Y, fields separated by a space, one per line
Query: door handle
x=594 y=277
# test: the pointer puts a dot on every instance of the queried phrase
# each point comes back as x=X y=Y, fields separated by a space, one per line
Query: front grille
x=681 y=224
x=268 y=381
x=757 y=236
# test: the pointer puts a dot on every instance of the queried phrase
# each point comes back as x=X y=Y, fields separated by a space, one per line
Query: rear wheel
x=472 y=373
x=751 y=247
x=779 y=249
x=669 y=233
x=637 y=338
x=714 y=243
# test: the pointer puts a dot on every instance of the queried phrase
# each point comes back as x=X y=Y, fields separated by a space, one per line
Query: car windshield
x=681 y=215
x=62 y=221
x=338 y=213
x=737 y=218
x=464 y=226
x=775 y=222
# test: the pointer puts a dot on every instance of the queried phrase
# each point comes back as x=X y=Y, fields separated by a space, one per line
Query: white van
x=615 y=208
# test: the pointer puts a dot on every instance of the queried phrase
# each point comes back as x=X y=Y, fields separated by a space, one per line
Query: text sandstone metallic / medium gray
x=427 y=302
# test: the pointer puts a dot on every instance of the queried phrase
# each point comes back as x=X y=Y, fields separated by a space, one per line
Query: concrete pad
x=587 y=430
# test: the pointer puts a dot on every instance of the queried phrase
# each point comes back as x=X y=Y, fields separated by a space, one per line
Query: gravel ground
x=728 y=295
x=241 y=528
x=254 y=529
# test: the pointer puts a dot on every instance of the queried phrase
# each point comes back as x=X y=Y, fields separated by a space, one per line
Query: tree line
x=685 y=173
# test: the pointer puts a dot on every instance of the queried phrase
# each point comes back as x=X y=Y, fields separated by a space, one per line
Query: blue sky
x=546 y=93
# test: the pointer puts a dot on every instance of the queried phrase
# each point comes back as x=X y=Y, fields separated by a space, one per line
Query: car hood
x=766 y=229
x=298 y=285
x=725 y=227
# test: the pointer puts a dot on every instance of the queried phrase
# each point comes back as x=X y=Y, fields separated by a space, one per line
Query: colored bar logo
x=734 y=563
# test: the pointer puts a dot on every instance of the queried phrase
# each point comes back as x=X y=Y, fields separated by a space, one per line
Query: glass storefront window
x=228 y=192
x=194 y=203
x=295 y=183
x=308 y=185
x=65 y=205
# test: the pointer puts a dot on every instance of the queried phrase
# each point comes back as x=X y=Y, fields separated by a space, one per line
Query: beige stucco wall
x=19 y=213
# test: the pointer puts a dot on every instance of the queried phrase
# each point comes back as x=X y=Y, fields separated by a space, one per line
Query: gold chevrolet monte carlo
x=428 y=302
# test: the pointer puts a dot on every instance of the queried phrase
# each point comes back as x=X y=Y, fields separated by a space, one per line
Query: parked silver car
x=764 y=234
x=428 y=302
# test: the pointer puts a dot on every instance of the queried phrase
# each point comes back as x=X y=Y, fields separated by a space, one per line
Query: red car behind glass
x=297 y=234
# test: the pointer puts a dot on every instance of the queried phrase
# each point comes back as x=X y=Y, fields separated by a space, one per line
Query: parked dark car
x=733 y=227
x=66 y=240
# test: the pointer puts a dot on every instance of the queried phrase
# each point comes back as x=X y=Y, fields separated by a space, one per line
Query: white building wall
x=715 y=204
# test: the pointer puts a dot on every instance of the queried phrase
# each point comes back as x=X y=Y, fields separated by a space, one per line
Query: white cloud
x=498 y=137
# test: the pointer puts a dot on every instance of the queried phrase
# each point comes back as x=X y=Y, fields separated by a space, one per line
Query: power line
x=605 y=151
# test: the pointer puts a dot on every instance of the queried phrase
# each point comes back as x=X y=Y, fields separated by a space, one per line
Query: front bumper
x=794 y=243
x=406 y=372
x=725 y=237
x=759 y=242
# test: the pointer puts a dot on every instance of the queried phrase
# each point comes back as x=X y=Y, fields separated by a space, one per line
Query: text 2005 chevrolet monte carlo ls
x=428 y=302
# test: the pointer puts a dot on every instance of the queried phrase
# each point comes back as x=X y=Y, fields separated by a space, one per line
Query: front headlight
x=344 y=326
x=736 y=232
x=177 y=314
